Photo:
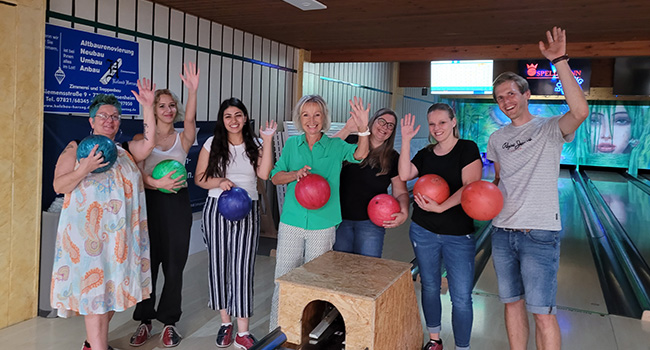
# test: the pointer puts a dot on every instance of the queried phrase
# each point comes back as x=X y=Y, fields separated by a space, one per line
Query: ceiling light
x=306 y=5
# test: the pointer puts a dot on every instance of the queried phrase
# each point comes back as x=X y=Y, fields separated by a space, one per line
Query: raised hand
x=350 y=125
x=269 y=130
x=556 y=44
x=191 y=77
x=146 y=92
x=358 y=114
x=407 y=124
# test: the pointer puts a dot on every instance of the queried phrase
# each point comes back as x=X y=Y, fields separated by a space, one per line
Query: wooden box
x=375 y=296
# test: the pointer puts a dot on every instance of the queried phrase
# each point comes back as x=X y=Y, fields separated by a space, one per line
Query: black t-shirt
x=359 y=185
x=453 y=221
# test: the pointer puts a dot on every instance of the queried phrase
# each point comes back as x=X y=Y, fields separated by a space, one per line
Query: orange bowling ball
x=432 y=186
x=481 y=200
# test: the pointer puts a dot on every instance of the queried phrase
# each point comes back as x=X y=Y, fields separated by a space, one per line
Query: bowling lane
x=629 y=204
x=645 y=178
x=578 y=284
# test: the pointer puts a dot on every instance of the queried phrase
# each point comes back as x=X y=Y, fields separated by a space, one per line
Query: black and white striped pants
x=232 y=246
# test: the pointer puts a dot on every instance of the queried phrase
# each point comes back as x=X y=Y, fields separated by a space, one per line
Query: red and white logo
x=531 y=69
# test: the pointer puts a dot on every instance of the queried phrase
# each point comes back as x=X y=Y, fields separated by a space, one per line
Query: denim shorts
x=526 y=263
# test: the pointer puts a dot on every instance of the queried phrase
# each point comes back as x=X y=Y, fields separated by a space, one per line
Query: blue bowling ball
x=106 y=147
x=234 y=204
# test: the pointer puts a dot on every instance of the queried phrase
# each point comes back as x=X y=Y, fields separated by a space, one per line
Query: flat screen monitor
x=543 y=79
x=466 y=77
x=632 y=76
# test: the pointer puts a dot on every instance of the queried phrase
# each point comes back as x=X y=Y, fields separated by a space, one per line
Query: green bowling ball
x=167 y=166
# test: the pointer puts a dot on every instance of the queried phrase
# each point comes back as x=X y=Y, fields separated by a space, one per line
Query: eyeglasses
x=104 y=117
x=383 y=123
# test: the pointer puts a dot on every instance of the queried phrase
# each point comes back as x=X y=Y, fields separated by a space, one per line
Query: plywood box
x=375 y=296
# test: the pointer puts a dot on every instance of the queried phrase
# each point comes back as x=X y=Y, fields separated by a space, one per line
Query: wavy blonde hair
x=180 y=110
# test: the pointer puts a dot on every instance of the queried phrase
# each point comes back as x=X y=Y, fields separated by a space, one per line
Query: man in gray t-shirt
x=526 y=156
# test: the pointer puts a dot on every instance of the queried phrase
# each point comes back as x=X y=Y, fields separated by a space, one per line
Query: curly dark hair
x=220 y=152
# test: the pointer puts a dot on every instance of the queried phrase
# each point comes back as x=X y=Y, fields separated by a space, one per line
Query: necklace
x=169 y=133
x=161 y=139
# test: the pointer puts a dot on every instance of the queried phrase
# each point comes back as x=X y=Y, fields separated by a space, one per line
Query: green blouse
x=325 y=159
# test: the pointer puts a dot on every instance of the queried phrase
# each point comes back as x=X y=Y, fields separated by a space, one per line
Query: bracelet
x=365 y=133
x=561 y=58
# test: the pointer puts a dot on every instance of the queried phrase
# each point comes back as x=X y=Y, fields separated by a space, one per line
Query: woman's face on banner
x=610 y=130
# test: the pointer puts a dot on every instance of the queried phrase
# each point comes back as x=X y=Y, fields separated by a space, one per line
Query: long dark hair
x=382 y=156
x=220 y=152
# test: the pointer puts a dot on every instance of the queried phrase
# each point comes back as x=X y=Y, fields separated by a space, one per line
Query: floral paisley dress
x=101 y=262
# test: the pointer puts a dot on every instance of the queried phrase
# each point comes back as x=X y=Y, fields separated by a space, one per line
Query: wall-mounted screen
x=466 y=77
x=543 y=79
x=632 y=76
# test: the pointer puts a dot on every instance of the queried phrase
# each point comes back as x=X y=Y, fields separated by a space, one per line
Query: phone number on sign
x=72 y=100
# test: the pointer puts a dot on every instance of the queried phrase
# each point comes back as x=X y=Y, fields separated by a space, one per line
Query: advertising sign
x=543 y=79
x=79 y=65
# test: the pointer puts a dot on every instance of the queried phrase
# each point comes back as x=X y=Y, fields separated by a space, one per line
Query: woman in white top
x=170 y=214
x=232 y=157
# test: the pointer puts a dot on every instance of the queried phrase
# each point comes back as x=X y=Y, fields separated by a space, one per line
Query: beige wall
x=21 y=141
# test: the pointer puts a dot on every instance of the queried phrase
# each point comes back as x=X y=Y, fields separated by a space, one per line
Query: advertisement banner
x=79 y=65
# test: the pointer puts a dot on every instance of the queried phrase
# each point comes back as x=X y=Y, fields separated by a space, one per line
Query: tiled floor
x=582 y=313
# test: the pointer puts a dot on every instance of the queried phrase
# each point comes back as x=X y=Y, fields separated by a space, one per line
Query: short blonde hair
x=317 y=99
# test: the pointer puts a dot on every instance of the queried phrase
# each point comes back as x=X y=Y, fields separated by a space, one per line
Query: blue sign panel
x=79 y=65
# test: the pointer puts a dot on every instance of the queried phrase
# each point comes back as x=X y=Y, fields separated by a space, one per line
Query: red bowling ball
x=481 y=200
x=381 y=208
x=432 y=186
x=312 y=191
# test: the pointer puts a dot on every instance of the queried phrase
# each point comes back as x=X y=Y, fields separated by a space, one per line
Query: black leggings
x=169 y=218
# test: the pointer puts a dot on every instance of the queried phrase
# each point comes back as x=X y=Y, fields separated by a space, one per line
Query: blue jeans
x=458 y=253
x=360 y=237
x=526 y=263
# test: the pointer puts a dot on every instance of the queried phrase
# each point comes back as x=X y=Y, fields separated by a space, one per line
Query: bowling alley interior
x=397 y=54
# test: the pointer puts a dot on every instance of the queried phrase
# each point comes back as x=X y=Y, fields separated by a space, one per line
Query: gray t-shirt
x=529 y=159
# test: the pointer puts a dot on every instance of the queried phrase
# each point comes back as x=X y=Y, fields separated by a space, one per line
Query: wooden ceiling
x=419 y=30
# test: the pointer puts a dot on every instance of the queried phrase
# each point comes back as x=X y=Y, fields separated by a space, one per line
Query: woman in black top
x=443 y=231
x=361 y=182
